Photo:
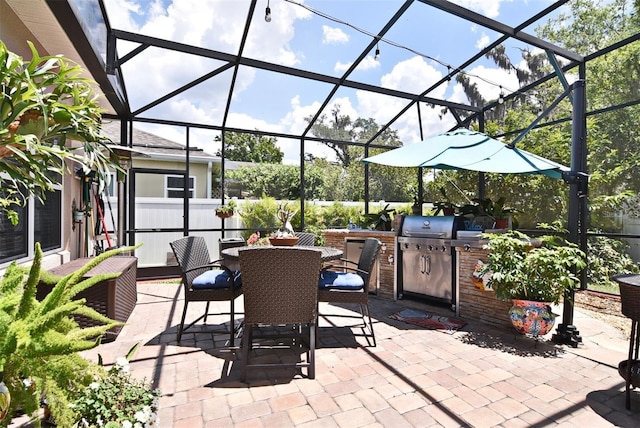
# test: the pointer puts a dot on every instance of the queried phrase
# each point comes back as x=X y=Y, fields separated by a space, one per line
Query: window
x=14 y=239
x=175 y=186
x=41 y=221
x=46 y=221
x=111 y=188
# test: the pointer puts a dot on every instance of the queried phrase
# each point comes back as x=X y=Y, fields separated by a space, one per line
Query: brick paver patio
x=479 y=376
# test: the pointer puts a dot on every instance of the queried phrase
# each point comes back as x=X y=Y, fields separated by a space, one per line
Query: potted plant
x=446 y=207
x=380 y=220
x=534 y=274
x=285 y=234
x=226 y=211
x=496 y=212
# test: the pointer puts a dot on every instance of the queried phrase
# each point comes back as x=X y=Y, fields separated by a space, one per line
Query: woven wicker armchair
x=205 y=280
x=280 y=289
x=350 y=284
x=306 y=239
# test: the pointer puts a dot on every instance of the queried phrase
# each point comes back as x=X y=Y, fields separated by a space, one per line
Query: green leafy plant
x=540 y=269
x=116 y=399
x=40 y=340
x=258 y=215
x=445 y=206
x=607 y=257
x=226 y=210
x=45 y=102
x=380 y=220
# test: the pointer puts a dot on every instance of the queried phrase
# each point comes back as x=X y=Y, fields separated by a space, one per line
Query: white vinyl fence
x=160 y=213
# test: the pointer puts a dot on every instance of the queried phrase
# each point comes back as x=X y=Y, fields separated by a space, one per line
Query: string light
x=377 y=56
x=392 y=43
x=501 y=97
x=267 y=13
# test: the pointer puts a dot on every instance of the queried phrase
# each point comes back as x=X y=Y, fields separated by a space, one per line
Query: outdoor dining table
x=231 y=258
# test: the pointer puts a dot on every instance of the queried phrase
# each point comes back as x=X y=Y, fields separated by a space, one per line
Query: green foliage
x=40 y=340
x=260 y=215
x=339 y=215
x=45 y=101
x=523 y=268
x=115 y=398
x=342 y=128
x=279 y=181
x=607 y=257
x=380 y=220
x=250 y=148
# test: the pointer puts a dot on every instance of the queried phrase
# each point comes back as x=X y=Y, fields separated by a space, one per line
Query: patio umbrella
x=468 y=150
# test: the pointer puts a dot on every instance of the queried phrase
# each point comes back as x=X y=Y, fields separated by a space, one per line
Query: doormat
x=427 y=320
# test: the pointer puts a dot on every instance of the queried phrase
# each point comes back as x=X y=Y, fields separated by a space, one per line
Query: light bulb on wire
x=501 y=97
x=267 y=13
x=377 y=56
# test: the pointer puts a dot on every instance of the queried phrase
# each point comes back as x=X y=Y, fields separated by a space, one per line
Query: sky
x=320 y=36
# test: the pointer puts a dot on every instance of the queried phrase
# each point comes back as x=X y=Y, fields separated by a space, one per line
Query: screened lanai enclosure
x=301 y=91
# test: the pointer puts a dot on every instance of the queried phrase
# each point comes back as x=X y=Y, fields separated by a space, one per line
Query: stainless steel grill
x=425 y=251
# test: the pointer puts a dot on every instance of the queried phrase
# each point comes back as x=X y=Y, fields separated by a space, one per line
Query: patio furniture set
x=282 y=288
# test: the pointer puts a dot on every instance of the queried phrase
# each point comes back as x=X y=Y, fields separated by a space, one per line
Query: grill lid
x=439 y=227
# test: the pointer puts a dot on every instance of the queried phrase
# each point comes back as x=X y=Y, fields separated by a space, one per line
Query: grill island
x=425 y=257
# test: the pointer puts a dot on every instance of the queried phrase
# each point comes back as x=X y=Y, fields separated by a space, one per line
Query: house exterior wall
x=14 y=34
x=153 y=185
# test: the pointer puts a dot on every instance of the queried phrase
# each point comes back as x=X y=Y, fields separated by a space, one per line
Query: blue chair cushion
x=340 y=280
x=216 y=278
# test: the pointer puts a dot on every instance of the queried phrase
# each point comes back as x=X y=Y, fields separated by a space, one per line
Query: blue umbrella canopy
x=468 y=150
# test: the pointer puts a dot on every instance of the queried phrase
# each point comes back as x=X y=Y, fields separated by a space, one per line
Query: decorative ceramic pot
x=5 y=401
x=531 y=317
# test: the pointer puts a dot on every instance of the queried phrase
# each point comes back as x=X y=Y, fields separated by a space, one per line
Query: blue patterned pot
x=532 y=317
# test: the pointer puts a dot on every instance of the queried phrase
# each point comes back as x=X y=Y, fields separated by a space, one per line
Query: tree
x=345 y=180
x=44 y=103
x=613 y=137
x=342 y=128
x=250 y=148
x=279 y=181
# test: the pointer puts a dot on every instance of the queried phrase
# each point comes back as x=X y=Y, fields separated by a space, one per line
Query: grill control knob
x=418 y=246
x=430 y=247
x=444 y=249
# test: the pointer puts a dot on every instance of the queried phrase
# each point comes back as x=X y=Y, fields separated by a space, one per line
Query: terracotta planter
x=502 y=223
x=224 y=214
x=531 y=317
x=449 y=211
x=284 y=242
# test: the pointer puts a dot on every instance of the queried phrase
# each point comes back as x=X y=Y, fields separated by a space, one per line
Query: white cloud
x=368 y=63
x=333 y=36
x=482 y=42
x=488 y=84
x=342 y=66
x=487 y=8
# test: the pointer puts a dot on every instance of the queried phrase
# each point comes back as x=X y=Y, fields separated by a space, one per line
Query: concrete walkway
x=479 y=376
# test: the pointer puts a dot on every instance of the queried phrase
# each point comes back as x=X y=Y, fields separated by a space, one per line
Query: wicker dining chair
x=349 y=284
x=280 y=289
x=204 y=280
x=306 y=239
